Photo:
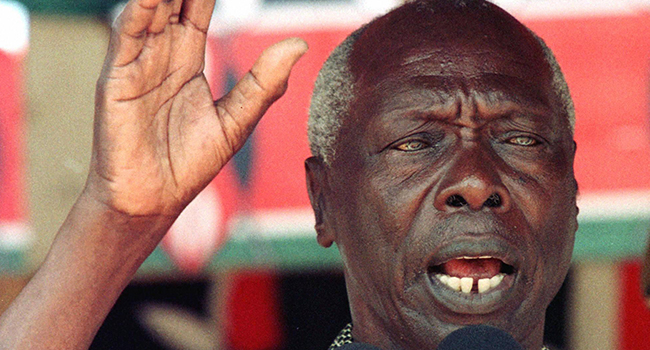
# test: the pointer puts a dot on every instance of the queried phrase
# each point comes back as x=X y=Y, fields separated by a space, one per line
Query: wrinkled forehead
x=479 y=47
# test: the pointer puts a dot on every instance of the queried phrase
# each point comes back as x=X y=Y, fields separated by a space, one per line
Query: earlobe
x=317 y=186
x=575 y=147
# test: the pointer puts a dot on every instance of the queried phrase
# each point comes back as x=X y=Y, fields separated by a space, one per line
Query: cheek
x=556 y=246
x=545 y=193
x=549 y=208
x=560 y=229
x=395 y=198
x=364 y=223
x=376 y=214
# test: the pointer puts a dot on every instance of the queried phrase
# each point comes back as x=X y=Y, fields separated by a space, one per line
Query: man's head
x=452 y=139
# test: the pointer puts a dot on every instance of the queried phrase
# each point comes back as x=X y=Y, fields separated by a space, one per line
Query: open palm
x=159 y=137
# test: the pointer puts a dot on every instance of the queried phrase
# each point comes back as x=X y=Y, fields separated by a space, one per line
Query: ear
x=317 y=187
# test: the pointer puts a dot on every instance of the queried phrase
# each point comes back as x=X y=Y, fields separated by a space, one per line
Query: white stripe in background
x=232 y=15
x=280 y=223
x=299 y=222
x=14 y=27
x=621 y=205
x=14 y=236
x=572 y=8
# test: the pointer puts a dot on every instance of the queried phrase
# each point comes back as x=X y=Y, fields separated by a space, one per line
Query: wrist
x=116 y=243
x=131 y=196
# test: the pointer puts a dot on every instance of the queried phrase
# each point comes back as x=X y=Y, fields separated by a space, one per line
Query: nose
x=473 y=182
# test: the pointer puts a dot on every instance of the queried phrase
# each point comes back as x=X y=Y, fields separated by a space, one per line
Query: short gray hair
x=334 y=91
x=330 y=100
x=559 y=84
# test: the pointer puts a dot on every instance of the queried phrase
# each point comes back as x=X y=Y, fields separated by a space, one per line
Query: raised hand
x=159 y=137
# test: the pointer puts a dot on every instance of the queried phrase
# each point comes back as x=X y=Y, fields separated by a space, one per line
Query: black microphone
x=358 y=346
x=479 y=338
x=467 y=338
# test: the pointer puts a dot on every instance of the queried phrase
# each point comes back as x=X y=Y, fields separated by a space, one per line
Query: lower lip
x=473 y=303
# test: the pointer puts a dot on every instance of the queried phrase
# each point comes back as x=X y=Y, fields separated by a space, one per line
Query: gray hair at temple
x=334 y=90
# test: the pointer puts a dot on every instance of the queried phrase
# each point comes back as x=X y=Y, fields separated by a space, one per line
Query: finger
x=136 y=17
x=130 y=29
x=167 y=12
x=272 y=68
x=197 y=13
x=242 y=107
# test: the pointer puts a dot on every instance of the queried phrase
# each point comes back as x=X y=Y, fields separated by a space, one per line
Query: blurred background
x=241 y=268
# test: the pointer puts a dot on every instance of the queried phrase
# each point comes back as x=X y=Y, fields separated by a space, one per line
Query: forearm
x=93 y=258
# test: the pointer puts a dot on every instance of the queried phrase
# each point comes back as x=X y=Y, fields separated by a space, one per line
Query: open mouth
x=472 y=274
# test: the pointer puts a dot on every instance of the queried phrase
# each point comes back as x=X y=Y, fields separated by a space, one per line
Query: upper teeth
x=466 y=284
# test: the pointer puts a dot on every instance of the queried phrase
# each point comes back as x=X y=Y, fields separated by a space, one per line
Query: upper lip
x=475 y=246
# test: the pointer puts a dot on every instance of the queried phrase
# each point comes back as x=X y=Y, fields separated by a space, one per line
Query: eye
x=411 y=146
x=523 y=141
x=422 y=141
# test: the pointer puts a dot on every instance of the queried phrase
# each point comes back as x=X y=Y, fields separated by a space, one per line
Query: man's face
x=455 y=163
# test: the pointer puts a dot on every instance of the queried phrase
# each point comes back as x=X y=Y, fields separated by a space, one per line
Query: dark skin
x=445 y=113
x=159 y=139
x=436 y=118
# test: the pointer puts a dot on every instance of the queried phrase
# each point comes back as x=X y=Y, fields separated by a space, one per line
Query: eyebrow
x=442 y=102
x=502 y=100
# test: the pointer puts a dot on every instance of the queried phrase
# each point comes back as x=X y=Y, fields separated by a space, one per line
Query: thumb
x=246 y=103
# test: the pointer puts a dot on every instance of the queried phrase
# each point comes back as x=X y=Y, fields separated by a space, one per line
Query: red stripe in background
x=634 y=322
x=12 y=199
x=253 y=312
x=281 y=136
x=606 y=60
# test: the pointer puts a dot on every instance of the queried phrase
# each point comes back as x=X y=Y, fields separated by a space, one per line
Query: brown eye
x=411 y=146
x=523 y=141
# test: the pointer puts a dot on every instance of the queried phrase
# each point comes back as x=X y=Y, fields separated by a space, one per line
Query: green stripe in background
x=605 y=240
x=611 y=239
x=595 y=241
x=13 y=262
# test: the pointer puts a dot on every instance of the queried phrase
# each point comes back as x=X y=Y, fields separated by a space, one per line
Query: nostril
x=494 y=201
x=456 y=201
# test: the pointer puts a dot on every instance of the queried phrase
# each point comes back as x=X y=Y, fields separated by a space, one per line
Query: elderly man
x=442 y=169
